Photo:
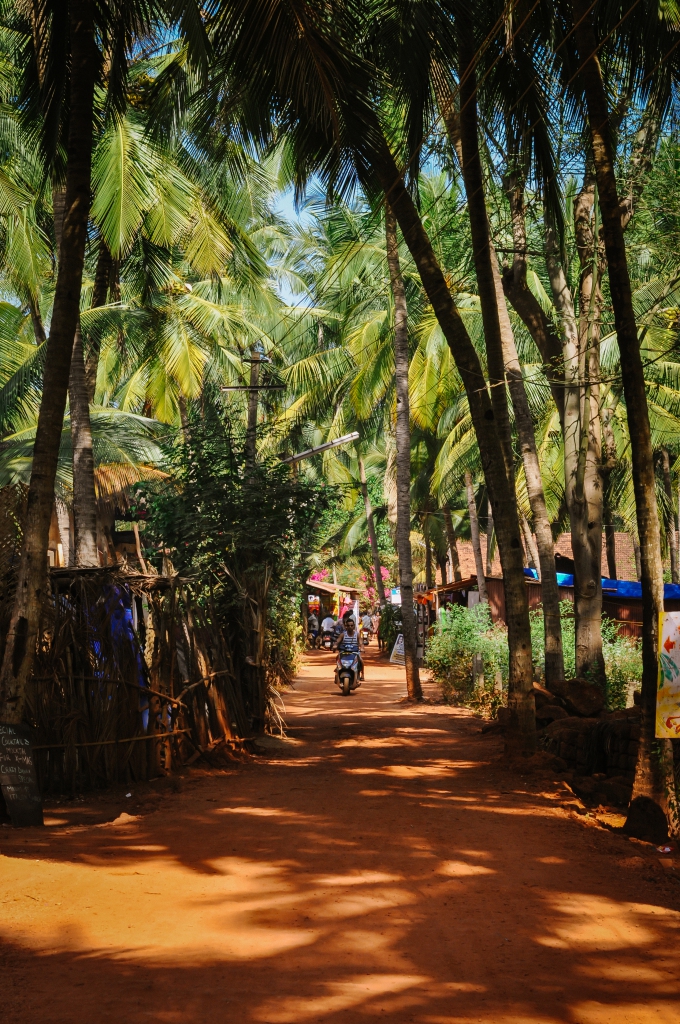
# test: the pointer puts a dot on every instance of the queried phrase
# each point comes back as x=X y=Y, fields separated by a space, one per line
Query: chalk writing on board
x=18 y=777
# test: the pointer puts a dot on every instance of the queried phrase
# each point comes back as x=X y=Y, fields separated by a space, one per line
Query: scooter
x=366 y=635
x=326 y=640
x=347 y=672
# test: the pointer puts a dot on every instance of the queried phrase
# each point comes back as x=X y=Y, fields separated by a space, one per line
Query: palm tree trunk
x=64 y=522
x=489 y=541
x=637 y=557
x=530 y=545
x=521 y=729
x=581 y=476
x=608 y=464
x=372 y=537
x=183 y=416
x=100 y=293
x=453 y=544
x=403 y=457
x=475 y=193
x=672 y=535
x=84 y=491
x=428 y=553
x=552 y=623
x=525 y=303
x=654 y=779
x=37 y=321
x=583 y=484
x=476 y=540
x=32 y=578
x=610 y=548
x=562 y=364
x=516 y=601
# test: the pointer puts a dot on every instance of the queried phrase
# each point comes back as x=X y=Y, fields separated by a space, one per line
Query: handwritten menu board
x=18 y=778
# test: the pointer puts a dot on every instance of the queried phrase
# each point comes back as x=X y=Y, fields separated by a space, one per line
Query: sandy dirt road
x=380 y=865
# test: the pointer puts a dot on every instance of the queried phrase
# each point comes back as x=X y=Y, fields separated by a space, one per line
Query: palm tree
x=651 y=782
x=24 y=620
x=83 y=58
x=554 y=660
x=353 y=362
x=403 y=438
x=333 y=126
x=84 y=494
x=370 y=526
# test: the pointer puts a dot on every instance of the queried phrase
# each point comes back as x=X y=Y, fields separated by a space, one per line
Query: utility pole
x=251 y=428
x=253 y=389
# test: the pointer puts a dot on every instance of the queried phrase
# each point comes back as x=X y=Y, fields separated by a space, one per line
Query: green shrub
x=460 y=634
x=463 y=632
x=622 y=662
x=239 y=535
x=622 y=654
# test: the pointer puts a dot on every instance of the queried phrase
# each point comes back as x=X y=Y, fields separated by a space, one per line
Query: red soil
x=381 y=864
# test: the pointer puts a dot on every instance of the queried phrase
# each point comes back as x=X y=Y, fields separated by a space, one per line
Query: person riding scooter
x=366 y=628
x=350 y=641
x=312 y=629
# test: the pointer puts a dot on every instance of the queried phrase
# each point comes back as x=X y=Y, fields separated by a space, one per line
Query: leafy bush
x=622 y=654
x=463 y=632
x=622 y=662
x=240 y=536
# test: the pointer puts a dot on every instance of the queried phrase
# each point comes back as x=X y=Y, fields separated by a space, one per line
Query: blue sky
x=285 y=207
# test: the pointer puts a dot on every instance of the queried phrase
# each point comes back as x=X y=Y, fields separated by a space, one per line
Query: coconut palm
x=334 y=128
x=44 y=50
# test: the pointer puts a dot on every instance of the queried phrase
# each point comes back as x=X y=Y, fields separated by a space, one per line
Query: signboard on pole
x=398 y=657
x=395 y=595
x=668 y=689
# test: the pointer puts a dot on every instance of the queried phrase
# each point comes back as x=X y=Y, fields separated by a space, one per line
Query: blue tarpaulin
x=614 y=588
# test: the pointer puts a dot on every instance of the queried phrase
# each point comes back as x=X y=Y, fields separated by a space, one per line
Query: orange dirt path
x=379 y=865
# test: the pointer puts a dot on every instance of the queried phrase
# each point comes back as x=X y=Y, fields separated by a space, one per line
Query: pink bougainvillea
x=320 y=575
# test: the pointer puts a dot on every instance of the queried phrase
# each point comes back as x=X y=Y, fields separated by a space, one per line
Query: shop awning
x=446 y=588
x=315 y=586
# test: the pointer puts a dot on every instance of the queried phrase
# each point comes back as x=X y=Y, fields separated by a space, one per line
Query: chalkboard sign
x=17 y=777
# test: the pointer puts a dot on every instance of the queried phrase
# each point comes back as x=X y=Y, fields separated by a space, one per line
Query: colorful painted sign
x=668 y=691
x=398 y=656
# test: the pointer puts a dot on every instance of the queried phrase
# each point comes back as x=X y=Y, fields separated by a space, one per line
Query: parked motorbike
x=347 y=672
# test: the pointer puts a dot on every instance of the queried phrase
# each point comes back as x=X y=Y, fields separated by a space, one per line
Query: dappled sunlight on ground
x=379 y=864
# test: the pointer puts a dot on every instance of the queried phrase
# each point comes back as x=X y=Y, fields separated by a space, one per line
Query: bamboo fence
x=134 y=675
x=130 y=681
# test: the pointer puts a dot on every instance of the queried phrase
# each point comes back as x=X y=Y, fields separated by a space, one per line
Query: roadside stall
x=331 y=599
